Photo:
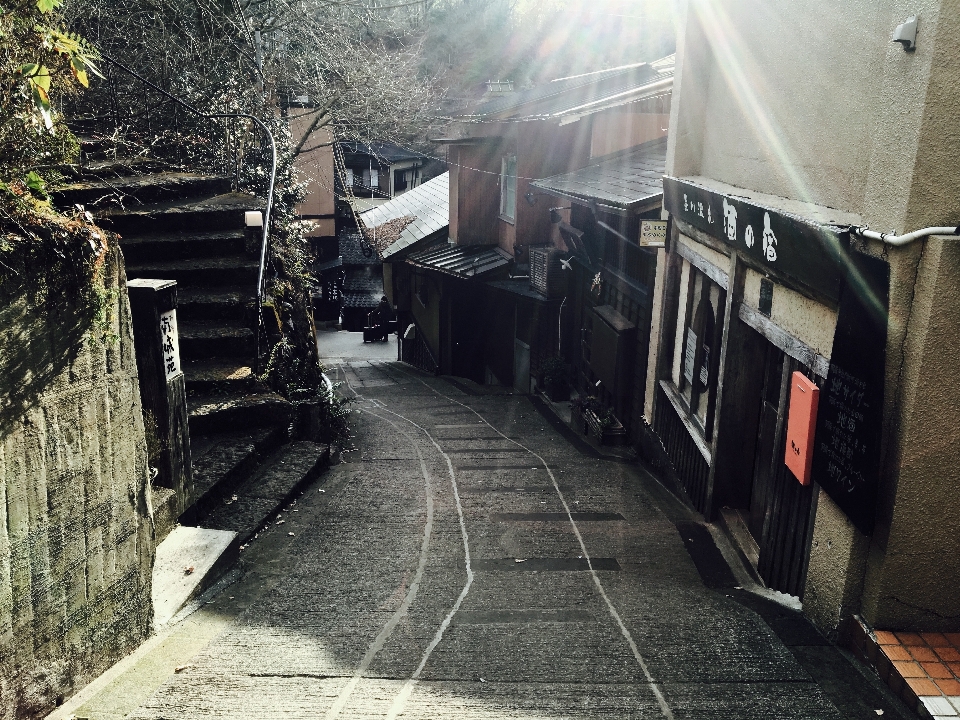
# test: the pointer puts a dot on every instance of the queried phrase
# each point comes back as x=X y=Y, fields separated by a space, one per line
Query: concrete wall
x=813 y=102
x=76 y=537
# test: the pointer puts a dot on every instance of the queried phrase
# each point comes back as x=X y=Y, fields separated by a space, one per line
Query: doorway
x=780 y=516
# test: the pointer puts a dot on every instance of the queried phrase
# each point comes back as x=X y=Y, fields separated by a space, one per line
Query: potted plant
x=553 y=374
x=599 y=421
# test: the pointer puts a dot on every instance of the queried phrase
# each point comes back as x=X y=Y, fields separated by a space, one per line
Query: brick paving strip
x=922 y=668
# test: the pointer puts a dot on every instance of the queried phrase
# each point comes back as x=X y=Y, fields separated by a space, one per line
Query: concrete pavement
x=472 y=560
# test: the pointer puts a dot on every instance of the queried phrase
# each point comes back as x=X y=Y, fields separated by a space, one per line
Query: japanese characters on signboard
x=653 y=233
x=810 y=253
x=169 y=343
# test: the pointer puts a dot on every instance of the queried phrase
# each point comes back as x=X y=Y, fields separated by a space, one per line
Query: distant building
x=550 y=187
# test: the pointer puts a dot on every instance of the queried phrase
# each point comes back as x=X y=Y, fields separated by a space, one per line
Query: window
x=508 y=188
x=374 y=178
x=349 y=181
x=696 y=354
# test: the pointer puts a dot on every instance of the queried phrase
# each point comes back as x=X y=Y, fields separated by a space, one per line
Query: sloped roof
x=626 y=181
x=351 y=249
x=428 y=205
x=462 y=260
x=580 y=92
x=386 y=152
x=362 y=292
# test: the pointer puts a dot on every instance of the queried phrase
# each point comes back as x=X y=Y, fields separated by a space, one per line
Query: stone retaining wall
x=76 y=535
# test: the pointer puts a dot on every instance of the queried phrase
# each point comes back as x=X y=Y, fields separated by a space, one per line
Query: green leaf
x=46 y=6
x=29 y=69
x=79 y=71
x=36 y=184
x=41 y=98
x=41 y=79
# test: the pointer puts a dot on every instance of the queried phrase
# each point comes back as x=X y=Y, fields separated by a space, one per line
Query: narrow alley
x=470 y=559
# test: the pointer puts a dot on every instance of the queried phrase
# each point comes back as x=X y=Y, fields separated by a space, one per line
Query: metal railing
x=415 y=351
x=265 y=240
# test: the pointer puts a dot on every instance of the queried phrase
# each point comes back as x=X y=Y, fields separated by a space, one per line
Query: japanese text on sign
x=169 y=343
x=842 y=446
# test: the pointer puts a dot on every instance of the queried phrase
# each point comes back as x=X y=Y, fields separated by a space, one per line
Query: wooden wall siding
x=619 y=129
x=688 y=462
x=789 y=510
x=478 y=194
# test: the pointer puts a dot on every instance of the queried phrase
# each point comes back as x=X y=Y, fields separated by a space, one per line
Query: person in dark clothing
x=380 y=318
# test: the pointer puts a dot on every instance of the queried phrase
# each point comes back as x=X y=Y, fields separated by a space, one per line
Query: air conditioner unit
x=546 y=272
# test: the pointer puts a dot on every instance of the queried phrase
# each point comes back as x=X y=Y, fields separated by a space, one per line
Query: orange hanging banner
x=801 y=422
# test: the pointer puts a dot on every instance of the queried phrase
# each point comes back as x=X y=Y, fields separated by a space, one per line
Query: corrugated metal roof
x=627 y=181
x=462 y=260
x=429 y=204
x=569 y=94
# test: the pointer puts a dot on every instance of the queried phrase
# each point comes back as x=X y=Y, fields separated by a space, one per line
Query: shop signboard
x=846 y=455
x=808 y=252
x=846 y=441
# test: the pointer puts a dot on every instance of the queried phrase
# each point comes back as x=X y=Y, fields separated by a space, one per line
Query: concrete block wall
x=76 y=534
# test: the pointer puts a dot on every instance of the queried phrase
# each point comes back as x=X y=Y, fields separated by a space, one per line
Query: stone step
x=237 y=411
x=139 y=189
x=188 y=562
x=206 y=272
x=224 y=460
x=273 y=486
x=218 y=375
x=220 y=212
x=212 y=339
x=218 y=303
x=182 y=245
x=164 y=502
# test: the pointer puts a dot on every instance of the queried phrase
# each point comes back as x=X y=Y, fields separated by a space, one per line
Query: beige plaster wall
x=76 y=535
x=315 y=168
x=835 y=574
x=804 y=100
x=805 y=319
x=913 y=578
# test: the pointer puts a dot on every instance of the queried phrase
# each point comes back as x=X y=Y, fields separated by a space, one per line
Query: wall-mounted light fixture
x=906 y=33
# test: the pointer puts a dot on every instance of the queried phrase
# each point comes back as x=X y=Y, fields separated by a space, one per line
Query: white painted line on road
x=378 y=642
x=400 y=700
x=654 y=687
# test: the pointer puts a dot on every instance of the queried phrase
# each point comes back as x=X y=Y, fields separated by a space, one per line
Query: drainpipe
x=898 y=240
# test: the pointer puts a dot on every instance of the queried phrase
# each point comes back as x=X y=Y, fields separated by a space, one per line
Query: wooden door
x=781 y=509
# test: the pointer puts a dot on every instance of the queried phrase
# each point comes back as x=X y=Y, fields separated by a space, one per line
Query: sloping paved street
x=469 y=560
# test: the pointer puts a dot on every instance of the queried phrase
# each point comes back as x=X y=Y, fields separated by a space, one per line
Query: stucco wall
x=76 y=538
x=805 y=100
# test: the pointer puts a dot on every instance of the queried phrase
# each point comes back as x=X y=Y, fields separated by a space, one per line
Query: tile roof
x=351 y=249
x=428 y=204
x=361 y=291
x=627 y=181
x=462 y=260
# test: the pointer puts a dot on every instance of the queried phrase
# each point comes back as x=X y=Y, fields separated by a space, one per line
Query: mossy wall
x=76 y=535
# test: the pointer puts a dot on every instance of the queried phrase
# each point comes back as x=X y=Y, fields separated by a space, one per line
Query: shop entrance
x=780 y=515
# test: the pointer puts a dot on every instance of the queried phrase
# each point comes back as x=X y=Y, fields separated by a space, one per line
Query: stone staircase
x=189 y=228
